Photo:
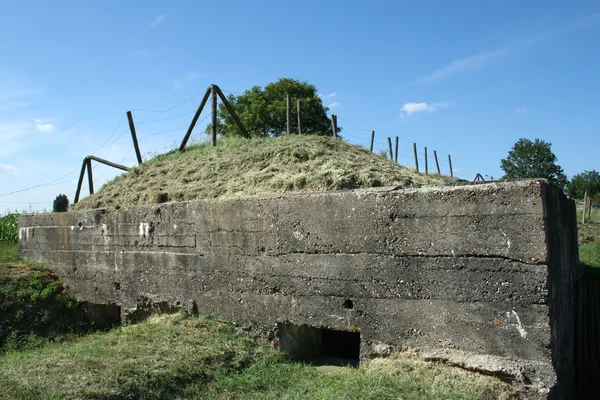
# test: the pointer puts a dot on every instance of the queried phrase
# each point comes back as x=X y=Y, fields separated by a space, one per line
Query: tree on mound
x=263 y=111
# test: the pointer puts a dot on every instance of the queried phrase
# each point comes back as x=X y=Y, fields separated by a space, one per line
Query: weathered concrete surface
x=480 y=276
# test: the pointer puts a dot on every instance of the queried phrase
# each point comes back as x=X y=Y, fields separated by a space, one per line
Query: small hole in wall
x=348 y=304
x=319 y=346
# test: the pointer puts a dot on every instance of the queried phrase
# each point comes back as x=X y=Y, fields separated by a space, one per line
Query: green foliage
x=263 y=111
x=61 y=203
x=9 y=228
x=587 y=181
x=33 y=303
x=529 y=159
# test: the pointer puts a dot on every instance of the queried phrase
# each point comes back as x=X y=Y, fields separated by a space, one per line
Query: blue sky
x=466 y=78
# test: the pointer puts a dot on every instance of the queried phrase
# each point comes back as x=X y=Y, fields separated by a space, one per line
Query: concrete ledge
x=480 y=276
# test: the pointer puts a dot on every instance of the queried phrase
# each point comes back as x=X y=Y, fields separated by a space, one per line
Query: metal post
x=450 y=165
x=372 y=140
x=396 y=152
x=390 y=149
x=437 y=164
x=426 y=167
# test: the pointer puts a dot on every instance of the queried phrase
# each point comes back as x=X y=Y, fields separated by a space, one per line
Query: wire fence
x=159 y=135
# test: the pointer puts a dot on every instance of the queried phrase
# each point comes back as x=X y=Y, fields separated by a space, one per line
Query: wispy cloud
x=327 y=96
x=521 y=110
x=156 y=22
x=13 y=137
x=333 y=105
x=42 y=126
x=463 y=64
x=9 y=169
x=489 y=57
x=411 y=108
x=186 y=79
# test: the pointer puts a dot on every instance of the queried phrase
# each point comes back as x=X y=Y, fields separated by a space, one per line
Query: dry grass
x=254 y=167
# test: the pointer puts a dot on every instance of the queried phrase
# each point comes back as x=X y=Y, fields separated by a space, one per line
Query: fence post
x=213 y=118
x=416 y=158
x=299 y=118
x=584 y=207
x=90 y=176
x=288 y=102
x=231 y=111
x=437 y=164
x=334 y=125
x=195 y=119
x=390 y=148
x=426 y=167
x=134 y=137
x=450 y=164
x=80 y=182
x=372 y=140
x=396 y=152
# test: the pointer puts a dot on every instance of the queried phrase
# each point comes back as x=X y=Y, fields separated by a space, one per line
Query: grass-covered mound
x=177 y=357
x=252 y=167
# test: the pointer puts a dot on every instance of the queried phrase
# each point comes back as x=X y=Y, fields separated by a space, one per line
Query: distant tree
x=61 y=203
x=535 y=159
x=587 y=181
x=263 y=111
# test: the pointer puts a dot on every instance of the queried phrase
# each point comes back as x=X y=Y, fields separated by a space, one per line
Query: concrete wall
x=480 y=276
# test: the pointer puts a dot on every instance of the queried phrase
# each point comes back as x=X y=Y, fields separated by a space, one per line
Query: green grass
x=253 y=167
x=170 y=357
x=589 y=244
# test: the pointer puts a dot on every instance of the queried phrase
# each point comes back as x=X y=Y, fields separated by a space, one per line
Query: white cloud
x=187 y=78
x=334 y=104
x=521 y=110
x=411 y=108
x=10 y=169
x=156 y=22
x=41 y=126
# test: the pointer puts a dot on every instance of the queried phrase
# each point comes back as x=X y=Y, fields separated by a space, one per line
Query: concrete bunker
x=480 y=276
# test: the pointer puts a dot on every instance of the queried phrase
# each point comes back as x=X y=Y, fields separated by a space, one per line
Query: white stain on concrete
x=144 y=229
x=507 y=242
x=518 y=325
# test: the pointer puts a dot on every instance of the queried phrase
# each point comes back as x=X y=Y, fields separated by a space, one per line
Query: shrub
x=9 y=228
x=61 y=203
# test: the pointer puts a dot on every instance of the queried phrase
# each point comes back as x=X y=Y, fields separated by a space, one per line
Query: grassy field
x=589 y=243
x=169 y=357
x=252 y=167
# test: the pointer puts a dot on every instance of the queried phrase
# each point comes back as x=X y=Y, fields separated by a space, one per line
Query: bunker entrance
x=319 y=346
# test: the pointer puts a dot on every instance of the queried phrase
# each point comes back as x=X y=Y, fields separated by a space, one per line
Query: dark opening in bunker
x=319 y=346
